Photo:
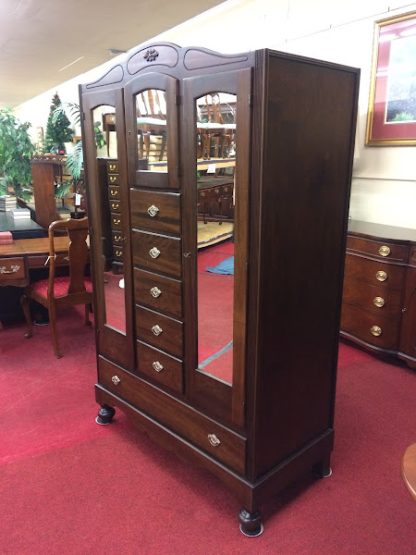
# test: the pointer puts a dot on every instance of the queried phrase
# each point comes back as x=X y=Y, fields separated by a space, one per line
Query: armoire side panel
x=305 y=187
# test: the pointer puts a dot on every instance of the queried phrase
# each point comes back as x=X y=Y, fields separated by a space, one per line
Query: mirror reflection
x=151 y=130
x=111 y=259
x=216 y=157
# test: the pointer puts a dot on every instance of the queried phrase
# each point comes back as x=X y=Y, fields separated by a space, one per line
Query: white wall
x=384 y=181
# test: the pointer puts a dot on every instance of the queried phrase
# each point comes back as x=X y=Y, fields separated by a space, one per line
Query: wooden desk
x=23 y=255
x=409 y=469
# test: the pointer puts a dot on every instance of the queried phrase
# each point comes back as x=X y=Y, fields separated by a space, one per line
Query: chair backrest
x=77 y=230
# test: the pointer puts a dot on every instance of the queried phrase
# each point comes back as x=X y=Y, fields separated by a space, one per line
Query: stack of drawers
x=379 y=299
x=156 y=245
x=113 y=180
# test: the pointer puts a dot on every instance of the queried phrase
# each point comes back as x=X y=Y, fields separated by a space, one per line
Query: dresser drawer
x=113 y=167
x=378 y=248
x=378 y=330
x=155 y=211
x=160 y=331
x=116 y=221
x=221 y=443
x=117 y=238
x=372 y=297
x=157 y=252
x=387 y=276
x=115 y=206
x=159 y=366
x=114 y=192
x=158 y=292
x=12 y=269
x=113 y=179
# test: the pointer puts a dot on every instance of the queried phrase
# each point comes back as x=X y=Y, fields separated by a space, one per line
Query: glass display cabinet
x=226 y=195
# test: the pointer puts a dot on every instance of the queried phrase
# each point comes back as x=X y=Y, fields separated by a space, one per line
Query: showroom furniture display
x=236 y=373
x=379 y=299
x=59 y=292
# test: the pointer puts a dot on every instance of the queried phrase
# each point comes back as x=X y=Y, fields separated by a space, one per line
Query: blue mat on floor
x=226 y=267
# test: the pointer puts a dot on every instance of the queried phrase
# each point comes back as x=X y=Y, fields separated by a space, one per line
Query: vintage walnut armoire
x=226 y=184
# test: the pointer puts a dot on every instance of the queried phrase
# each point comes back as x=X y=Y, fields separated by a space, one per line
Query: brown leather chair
x=57 y=292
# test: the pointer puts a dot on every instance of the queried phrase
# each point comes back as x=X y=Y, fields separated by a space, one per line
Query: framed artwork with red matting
x=391 y=116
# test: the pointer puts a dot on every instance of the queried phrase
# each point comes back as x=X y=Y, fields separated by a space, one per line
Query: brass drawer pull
x=155 y=292
x=112 y=167
x=118 y=253
x=113 y=178
x=157 y=366
x=376 y=331
x=154 y=252
x=153 y=211
x=115 y=206
x=14 y=268
x=378 y=301
x=113 y=193
x=116 y=221
x=116 y=380
x=384 y=250
x=118 y=238
x=381 y=275
x=214 y=441
x=156 y=330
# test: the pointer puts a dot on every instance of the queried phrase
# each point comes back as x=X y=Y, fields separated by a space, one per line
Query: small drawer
x=221 y=443
x=115 y=206
x=113 y=167
x=387 y=276
x=378 y=330
x=372 y=297
x=158 y=292
x=116 y=221
x=155 y=211
x=160 y=331
x=114 y=192
x=378 y=248
x=12 y=269
x=118 y=253
x=113 y=179
x=157 y=252
x=118 y=238
x=159 y=366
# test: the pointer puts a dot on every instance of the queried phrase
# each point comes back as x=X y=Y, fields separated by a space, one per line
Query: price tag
x=211 y=168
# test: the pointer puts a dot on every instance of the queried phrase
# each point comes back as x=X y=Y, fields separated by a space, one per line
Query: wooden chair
x=61 y=292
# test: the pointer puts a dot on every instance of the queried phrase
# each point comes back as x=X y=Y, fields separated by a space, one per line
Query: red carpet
x=68 y=486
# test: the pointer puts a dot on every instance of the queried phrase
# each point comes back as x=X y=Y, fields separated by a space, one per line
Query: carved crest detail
x=151 y=55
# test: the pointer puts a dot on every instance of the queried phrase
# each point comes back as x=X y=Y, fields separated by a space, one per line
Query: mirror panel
x=152 y=131
x=216 y=195
x=111 y=255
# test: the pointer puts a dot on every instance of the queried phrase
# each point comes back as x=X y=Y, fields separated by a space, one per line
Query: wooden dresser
x=379 y=298
x=234 y=372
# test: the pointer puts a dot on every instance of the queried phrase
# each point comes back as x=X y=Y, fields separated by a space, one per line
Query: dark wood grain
x=170 y=296
x=150 y=361
x=170 y=338
x=166 y=220
x=167 y=262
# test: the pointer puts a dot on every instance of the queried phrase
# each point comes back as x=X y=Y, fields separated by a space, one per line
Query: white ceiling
x=39 y=38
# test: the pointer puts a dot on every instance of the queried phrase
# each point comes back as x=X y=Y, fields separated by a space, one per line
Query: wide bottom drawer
x=380 y=331
x=222 y=443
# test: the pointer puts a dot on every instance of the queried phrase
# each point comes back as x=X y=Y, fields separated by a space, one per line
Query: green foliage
x=58 y=130
x=16 y=151
x=99 y=137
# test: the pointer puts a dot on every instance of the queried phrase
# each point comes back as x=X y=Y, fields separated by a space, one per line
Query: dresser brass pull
x=154 y=252
x=116 y=380
x=118 y=253
x=381 y=275
x=155 y=292
x=378 y=301
x=118 y=238
x=156 y=330
x=384 y=250
x=13 y=269
x=116 y=221
x=113 y=193
x=157 y=366
x=113 y=178
x=376 y=331
x=114 y=206
x=214 y=441
x=112 y=167
x=153 y=211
